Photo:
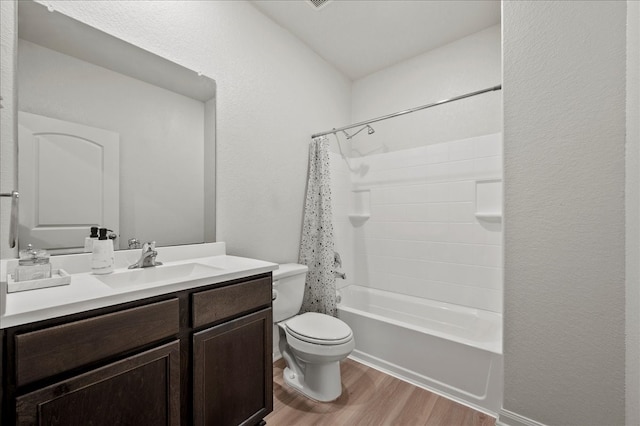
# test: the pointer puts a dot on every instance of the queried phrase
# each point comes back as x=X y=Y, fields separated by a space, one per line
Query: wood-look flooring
x=369 y=398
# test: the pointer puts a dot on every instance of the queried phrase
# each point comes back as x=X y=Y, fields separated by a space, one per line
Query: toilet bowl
x=311 y=344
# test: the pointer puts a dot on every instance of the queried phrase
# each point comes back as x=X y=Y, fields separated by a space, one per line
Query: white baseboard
x=509 y=418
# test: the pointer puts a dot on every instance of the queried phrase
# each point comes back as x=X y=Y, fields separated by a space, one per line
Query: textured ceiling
x=360 y=37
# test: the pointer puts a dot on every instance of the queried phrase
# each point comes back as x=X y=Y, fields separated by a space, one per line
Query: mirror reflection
x=109 y=135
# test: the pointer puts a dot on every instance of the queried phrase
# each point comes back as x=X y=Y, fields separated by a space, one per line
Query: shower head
x=370 y=131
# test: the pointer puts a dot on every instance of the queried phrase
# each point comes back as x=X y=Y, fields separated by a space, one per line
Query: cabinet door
x=143 y=389
x=233 y=373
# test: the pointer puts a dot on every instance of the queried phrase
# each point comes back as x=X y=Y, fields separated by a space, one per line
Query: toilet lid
x=319 y=328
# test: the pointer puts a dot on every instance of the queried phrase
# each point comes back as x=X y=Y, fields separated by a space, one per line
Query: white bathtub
x=451 y=350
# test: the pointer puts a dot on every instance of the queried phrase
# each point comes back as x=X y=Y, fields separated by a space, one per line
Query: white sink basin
x=165 y=274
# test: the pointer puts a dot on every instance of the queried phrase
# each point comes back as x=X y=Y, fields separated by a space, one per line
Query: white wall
x=423 y=238
x=161 y=139
x=8 y=173
x=466 y=65
x=632 y=193
x=269 y=103
x=564 y=139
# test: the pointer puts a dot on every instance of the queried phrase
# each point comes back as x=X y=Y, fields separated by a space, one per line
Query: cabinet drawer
x=50 y=351
x=220 y=303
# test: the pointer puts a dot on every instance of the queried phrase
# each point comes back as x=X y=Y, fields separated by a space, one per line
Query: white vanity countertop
x=87 y=291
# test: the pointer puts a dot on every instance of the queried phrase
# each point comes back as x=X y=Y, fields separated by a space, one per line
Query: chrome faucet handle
x=337 y=261
x=133 y=243
x=151 y=249
x=147 y=257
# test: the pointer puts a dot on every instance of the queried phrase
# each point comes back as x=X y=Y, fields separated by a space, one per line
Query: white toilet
x=311 y=344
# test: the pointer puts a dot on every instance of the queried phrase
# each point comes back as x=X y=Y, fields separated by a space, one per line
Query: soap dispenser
x=88 y=241
x=102 y=257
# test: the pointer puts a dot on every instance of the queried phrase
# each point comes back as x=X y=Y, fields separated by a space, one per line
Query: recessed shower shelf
x=360 y=206
x=358 y=216
x=489 y=216
x=489 y=200
x=358 y=219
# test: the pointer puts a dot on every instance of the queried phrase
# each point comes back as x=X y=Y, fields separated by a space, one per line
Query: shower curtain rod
x=397 y=114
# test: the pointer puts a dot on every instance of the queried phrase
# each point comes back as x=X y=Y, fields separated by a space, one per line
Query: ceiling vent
x=318 y=4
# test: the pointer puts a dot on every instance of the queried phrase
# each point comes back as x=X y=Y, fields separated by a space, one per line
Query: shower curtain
x=317 y=246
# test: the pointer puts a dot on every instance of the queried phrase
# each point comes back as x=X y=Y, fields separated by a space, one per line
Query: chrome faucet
x=148 y=256
x=337 y=262
x=133 y=243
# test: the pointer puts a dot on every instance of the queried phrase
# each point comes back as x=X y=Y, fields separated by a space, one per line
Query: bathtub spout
x=340 y=275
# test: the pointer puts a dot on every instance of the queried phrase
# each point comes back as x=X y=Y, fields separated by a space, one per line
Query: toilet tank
x=288 y=290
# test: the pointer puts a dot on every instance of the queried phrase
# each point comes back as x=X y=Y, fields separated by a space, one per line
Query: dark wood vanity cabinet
x=199 y=356
x=227 y=360
x=232 y=361
x=143 y=389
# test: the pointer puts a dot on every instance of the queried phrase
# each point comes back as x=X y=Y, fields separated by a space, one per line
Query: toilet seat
x=318 y=328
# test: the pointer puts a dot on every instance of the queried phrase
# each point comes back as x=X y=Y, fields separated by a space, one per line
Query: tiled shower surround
x=405 y=221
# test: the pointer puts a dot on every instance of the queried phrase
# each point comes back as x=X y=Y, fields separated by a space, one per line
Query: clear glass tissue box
x=33 y=265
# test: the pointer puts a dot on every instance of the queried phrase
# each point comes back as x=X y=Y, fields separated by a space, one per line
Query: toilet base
x=320 y=382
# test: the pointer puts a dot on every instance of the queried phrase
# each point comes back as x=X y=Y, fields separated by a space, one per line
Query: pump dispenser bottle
x=88 y=241
x=102 y=257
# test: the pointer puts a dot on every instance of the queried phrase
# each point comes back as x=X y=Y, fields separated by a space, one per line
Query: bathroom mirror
x=109 y=135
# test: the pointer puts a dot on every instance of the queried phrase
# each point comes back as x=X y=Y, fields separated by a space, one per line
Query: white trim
x=509 y=418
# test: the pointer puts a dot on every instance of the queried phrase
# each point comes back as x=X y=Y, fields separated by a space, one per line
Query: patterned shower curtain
x=316 y=248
